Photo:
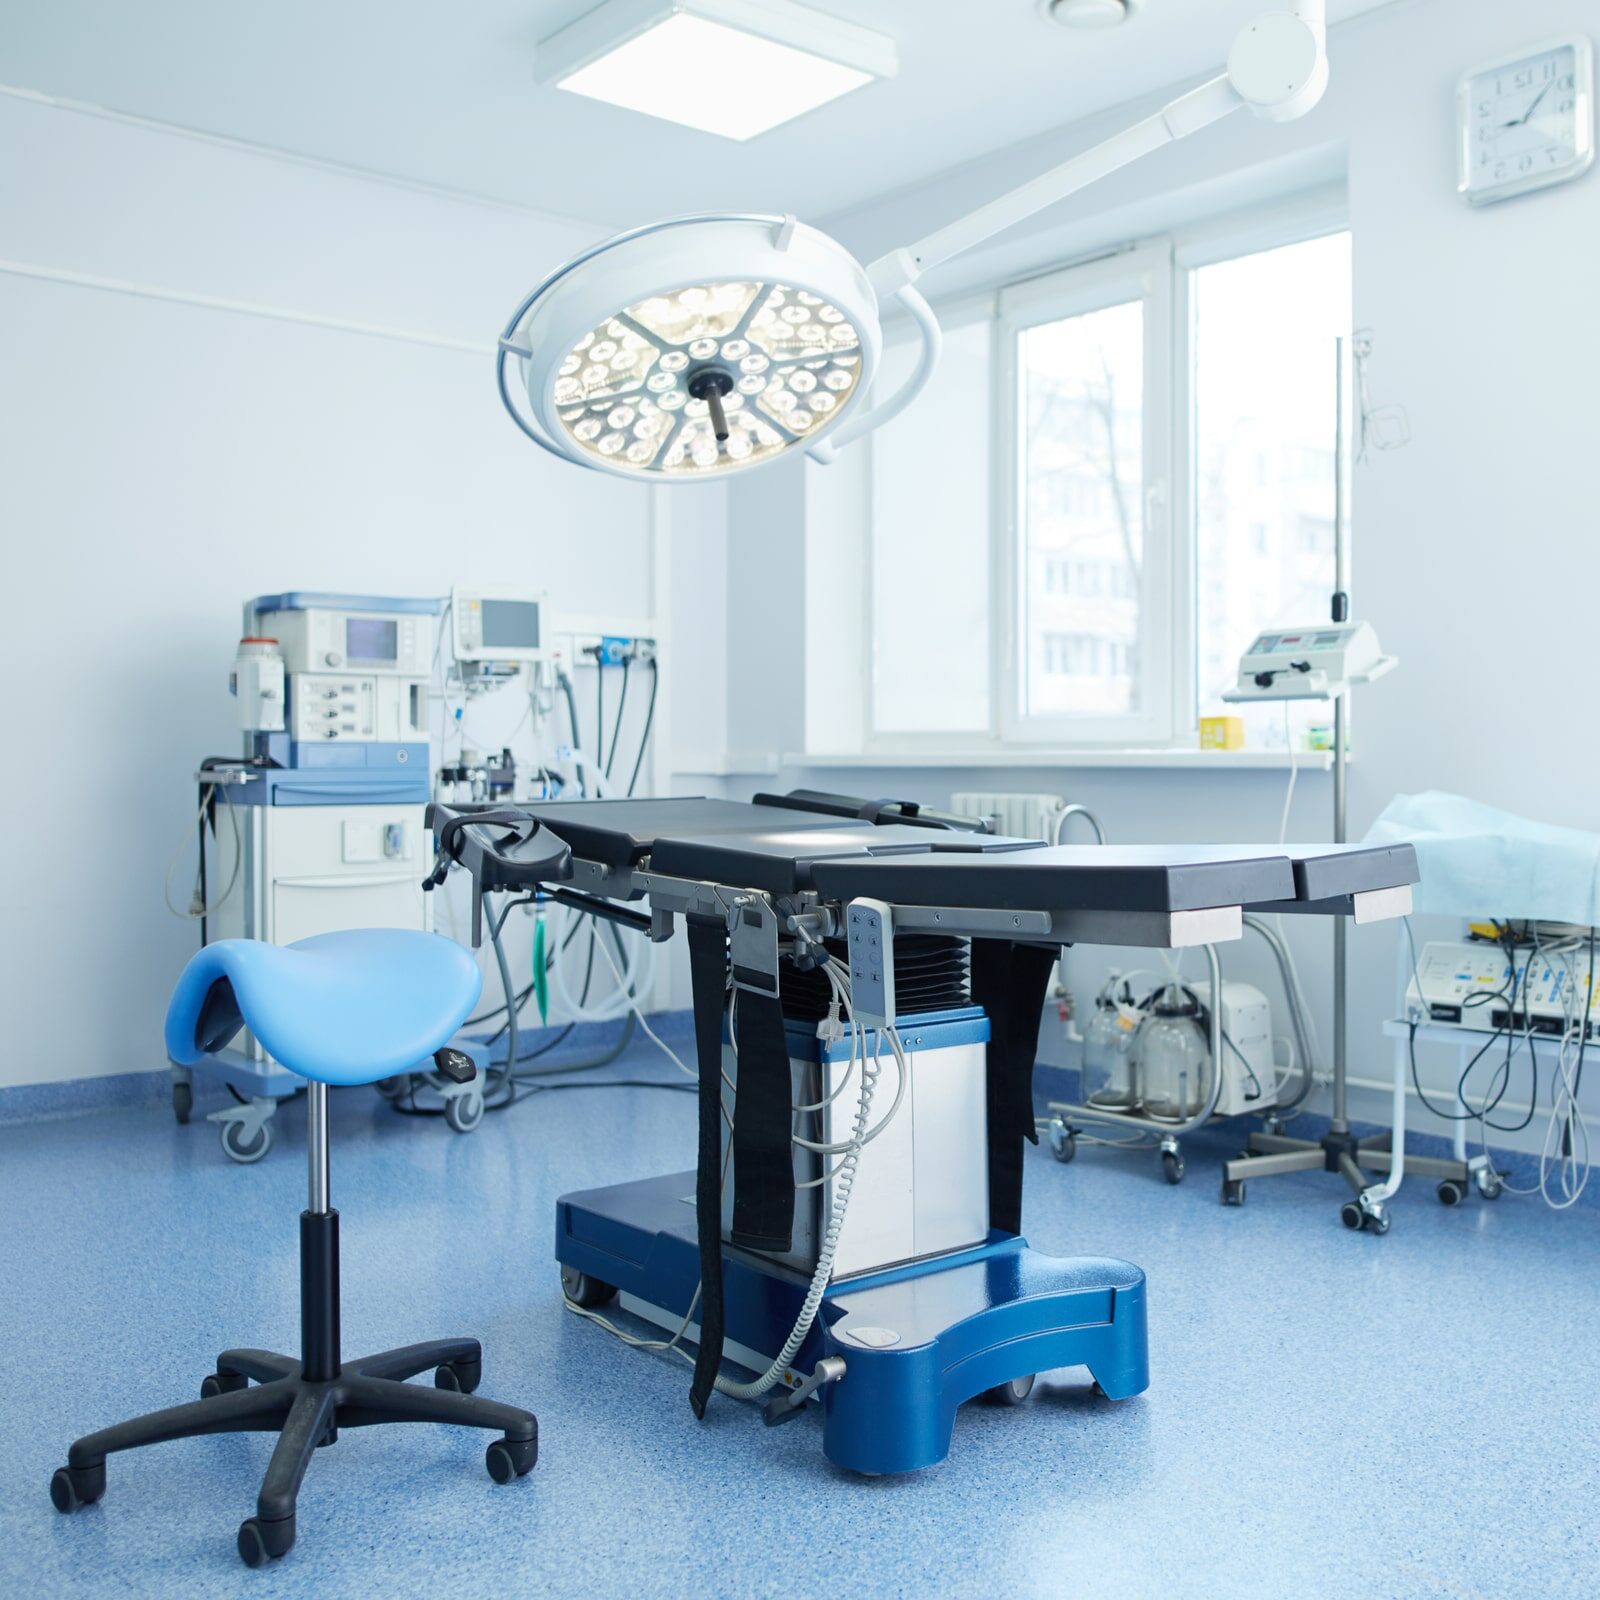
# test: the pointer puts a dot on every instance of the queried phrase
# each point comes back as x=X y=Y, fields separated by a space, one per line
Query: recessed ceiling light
x=1089 y=13
x=730 y=67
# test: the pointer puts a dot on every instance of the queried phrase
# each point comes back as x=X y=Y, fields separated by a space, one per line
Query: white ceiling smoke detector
x=1089 y=13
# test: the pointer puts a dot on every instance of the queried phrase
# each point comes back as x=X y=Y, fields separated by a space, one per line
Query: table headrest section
x=1327 y=872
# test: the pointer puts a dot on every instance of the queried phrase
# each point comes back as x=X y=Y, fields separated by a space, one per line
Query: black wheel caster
x=394 y=1088
x=261 y=1542
x=582 y=1290
x=511 y=1458
x=1013 y=1393
x=1451 y=1193
x=1233 y=1191
x=222 y=1383
x=1351 y=1215
x=71 y=1487
x=461 y=1376
x=182 y=1102
x=1172 y=1166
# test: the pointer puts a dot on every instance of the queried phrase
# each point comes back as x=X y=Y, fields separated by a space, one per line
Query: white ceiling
x=444 y=93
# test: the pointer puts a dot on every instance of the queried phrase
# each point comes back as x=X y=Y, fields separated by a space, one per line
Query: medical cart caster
x=1233 y=1191
x=1172 y=1168
x=511 y=1458
x=1451 y=1193
x=396 y=1088
x=182 y=1101
x=1063 y=1141
x=1359 y=1214
x=1490 y=1185
x=246 y=1129
x=584 y=1291
x=463 y=1112
x=1014 y=1393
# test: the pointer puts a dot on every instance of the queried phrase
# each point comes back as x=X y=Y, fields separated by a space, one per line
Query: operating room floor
x=1329 y=1413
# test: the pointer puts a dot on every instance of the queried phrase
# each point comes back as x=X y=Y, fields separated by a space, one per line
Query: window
x=1264 y=436
x=1085 y=364
x=1120 y=473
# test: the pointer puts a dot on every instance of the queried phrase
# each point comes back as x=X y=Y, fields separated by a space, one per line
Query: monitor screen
x=511 y=624
x=370 y=639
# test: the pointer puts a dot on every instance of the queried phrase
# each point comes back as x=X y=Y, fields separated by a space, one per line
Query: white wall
x=161 y=460
x=1473 y=550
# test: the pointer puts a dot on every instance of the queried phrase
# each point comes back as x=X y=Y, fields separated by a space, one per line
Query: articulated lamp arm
x=1278 y=69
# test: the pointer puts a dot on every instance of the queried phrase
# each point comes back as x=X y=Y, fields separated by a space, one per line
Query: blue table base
x=916 y=1340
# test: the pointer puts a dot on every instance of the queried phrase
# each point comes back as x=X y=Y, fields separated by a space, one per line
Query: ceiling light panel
x=729 y=67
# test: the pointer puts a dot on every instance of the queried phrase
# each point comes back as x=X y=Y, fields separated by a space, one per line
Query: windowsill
x=1015 y=757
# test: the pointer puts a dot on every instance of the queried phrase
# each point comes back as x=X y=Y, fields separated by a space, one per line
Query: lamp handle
x=826 y=450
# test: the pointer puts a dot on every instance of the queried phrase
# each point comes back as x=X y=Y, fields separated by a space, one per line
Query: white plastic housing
x=1279 y=66
x=664 y=261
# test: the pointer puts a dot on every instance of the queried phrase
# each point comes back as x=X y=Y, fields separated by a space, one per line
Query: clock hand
x=1530 y=111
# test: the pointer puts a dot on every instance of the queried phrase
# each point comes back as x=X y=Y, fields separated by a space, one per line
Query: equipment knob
x=333 y=658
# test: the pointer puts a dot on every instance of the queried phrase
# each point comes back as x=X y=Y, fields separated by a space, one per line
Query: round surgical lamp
x=713 y=344
x=696 y=346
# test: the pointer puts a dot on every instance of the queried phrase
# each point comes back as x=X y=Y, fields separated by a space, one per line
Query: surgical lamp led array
x=710 y=344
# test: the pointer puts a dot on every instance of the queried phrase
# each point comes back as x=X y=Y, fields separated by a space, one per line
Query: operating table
x=932 y=1296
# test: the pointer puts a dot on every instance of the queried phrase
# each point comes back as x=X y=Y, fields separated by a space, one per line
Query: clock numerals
x=1527 y=122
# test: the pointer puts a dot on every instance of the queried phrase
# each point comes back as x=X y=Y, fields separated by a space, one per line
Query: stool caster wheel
x=1014 y=1393
x=1233 y=1191
x=464 y=1112
x=1490 y=1185
x=1172 y=1166
x=71 y=1487
x=261 y=1542
x=461 y=1376
x=394 y=1088
x=182 y=1102
x=1063 y=1141
x=246 y=1148
x=1451 y=1193
x=222 y=1383
x=511 y=1458
x=582 y=1290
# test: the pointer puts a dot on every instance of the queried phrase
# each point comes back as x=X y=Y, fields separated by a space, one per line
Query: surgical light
x=730 y=67
x=712 y=344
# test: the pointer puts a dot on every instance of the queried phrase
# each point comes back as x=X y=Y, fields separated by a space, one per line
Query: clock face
x=1527 y=122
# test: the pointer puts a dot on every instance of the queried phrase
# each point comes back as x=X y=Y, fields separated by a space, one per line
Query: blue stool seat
x=340 y=1008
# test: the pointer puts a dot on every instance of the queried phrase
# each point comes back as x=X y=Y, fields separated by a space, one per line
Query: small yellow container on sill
x=1222 y=733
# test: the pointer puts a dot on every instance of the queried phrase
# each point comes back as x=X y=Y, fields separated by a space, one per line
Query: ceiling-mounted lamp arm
x=1278 y=68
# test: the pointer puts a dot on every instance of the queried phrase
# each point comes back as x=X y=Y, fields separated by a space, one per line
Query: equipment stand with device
x=1319 y=664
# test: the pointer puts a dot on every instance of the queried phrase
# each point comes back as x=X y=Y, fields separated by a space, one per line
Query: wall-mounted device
x=356 y=671
x=1311 y=663
x=494 y=633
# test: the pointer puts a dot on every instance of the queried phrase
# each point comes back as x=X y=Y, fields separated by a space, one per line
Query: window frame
x=1171 y=586
x=1143 y=275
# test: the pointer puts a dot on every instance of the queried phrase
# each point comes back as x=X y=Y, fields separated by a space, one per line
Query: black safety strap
x=763 y=1161
x=871 y=810
x=708 y=971
x=1009 y=981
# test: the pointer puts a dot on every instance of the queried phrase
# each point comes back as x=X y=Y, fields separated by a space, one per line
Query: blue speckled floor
x=1330 y=1414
